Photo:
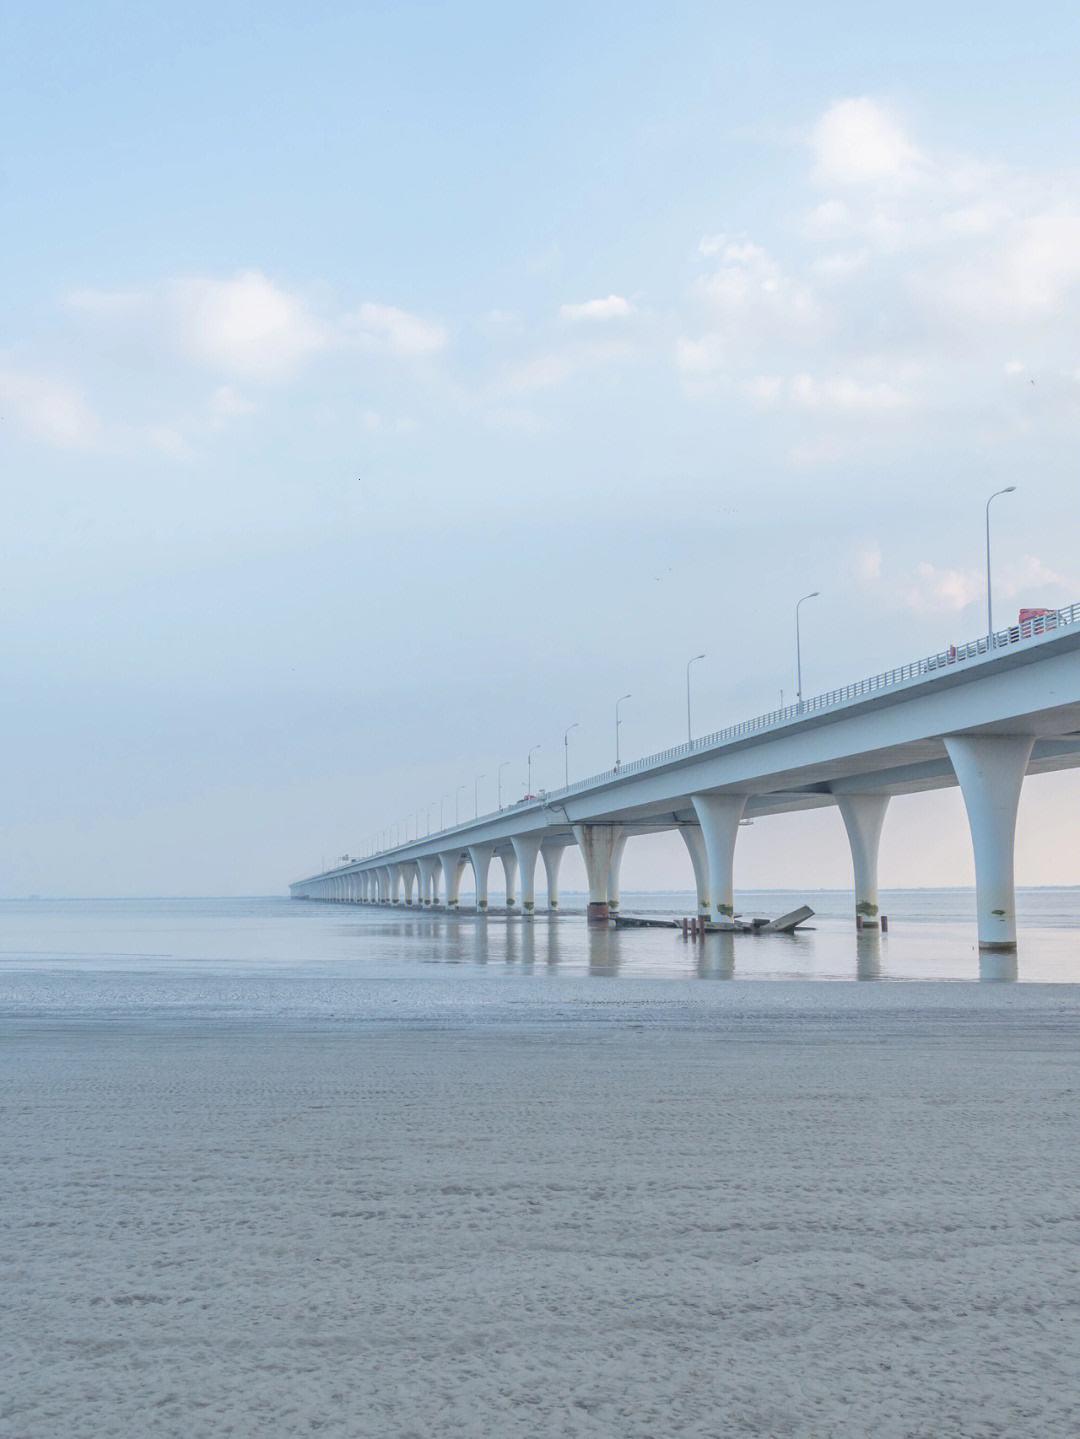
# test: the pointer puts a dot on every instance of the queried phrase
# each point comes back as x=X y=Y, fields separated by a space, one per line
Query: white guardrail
x=832 y=699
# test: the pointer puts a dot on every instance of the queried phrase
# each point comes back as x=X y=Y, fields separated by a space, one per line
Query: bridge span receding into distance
x=981 y=715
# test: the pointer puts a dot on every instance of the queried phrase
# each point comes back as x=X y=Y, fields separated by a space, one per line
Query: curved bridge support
x=453 y=862
x=597 y=843
x=863 y=816
x=991 y=771
x=526 y=848
x=508 y=858
x=695 y=843
x=480 y=856
x=552 y=855
x=428 y=866
x=720 y=816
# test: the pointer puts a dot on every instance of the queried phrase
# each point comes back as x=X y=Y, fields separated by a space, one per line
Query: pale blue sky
x=384 y=387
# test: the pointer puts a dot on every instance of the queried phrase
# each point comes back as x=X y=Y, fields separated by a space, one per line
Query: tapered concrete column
x=863 y=816
x=597 y=843
x=395 y=884
x=408 y=879
x=453 y=862
x=429 y=868
x=695 y=843
x=991 y=771
x=480 y=857
x=526 y=848
x=384 y=884
x=720 y=816
x=510 y=865
x=613 y=871
x=552 y=855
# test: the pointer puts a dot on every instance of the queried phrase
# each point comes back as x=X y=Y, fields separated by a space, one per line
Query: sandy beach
x=817 y=1216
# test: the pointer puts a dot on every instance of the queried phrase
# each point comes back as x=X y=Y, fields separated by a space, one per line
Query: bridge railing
x=943 y=661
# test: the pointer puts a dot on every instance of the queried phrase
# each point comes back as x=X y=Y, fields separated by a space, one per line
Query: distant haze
x=385 y=388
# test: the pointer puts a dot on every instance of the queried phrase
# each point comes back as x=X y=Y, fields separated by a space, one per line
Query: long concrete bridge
x=982 y=715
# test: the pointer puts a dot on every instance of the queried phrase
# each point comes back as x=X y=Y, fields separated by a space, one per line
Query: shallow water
x=272 y=956
x=279 y=1168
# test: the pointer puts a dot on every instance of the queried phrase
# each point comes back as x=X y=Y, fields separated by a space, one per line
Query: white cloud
x=934 y=589
x=167 y=440
x=227 y=403
x=1028 y=578
x=246 y=326
x=748 y=291
x=702 y=356
x=547 y=371
x=833 y=393
x=841 y=264
x=543 y=372
x=867 y=563
x=844 y=393
x=614 y=307
x=402 y=333
x=858 y=141
x=49 y=410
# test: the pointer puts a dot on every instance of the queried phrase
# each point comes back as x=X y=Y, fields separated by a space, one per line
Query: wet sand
x=807 y=1217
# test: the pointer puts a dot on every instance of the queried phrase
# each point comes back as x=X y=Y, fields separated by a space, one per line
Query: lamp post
x=457 y=803
x=528 y=763
x=566 y=752
x=499 y=779
x=476 y=795
x=618 y=725
x=689 y=727
x=1008 y=490
x=442 y=802
x=798 y=647
x=430 y=807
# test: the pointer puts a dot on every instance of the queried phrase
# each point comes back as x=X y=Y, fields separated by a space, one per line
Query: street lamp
x=618 y=723
x=798 y=647
x=566 y=752
x=501 y=768
x=430 y=807
x=442 y=802
x=689 y=728
x=457 y=803
x=476 y=795
x=529 y=764
x=1008 y=490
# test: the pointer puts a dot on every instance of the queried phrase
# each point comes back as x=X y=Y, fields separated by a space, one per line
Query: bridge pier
x=991 y=769
x=863 y=816
x=453 y=862
x=508 y=857
x=720 y=816
x=526 y=848
x=408 y=878
x=614 y=870
x=597 y=843
x=695 y=843
x=480 y=856
x=552 y=855
x=428 y=866
x=394 y=873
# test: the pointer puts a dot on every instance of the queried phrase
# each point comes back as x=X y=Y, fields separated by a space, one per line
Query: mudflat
x=819 y=1219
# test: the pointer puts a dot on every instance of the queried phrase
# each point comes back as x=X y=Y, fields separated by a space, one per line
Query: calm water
x=248 y=958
